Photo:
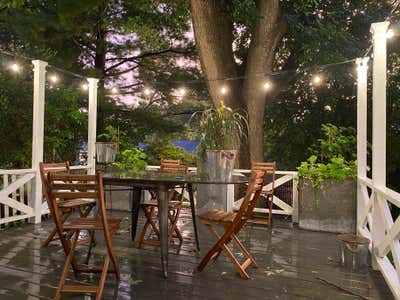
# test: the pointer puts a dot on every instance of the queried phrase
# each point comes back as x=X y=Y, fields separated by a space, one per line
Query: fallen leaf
x=269 y=273
x=279 y=271
x=135 y=281
x=223 y=273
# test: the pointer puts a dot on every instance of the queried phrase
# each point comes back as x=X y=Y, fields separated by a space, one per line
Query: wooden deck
x=293 y=264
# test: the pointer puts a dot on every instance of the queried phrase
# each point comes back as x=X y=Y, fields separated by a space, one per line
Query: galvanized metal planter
x=218 y=165
x=336 y=211
x=105 y=152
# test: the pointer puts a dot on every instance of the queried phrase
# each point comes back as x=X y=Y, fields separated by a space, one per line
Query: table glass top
x=157 y=176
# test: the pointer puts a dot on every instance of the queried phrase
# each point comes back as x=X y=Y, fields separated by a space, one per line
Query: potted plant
x=327 y=186
x=220 y=132
x=107 y=145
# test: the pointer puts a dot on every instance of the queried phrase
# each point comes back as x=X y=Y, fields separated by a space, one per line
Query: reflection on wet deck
x=293 y=264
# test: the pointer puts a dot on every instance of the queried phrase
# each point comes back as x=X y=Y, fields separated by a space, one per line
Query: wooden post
x=362 y=76
x=378 y=31
x=39 y=82
x=92 y=114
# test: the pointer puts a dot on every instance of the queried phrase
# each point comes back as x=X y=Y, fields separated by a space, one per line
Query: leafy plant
x=109 y=135
x=132 y=160
x=330 y=151
x=159 y=148
x=220 y=128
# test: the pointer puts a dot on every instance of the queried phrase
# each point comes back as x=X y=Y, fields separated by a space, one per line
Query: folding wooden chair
x=175 y=200
x=268 y=194
x=66 y=206
x=232 y=222
x=74 y=186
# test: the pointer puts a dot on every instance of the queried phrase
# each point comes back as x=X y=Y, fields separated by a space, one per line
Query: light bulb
x=182 y=92
x=267 y=85
x=147 y=91
x=114 y=90
x=53 y=78
x=390 y=34
x=224 y=90
x=317 y=80
x=15 y=67
x=85 y=87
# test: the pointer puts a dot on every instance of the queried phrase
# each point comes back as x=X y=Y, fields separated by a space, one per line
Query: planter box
x=336 y=211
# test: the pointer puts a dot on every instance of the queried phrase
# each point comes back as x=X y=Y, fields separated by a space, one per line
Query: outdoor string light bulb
x=182 y=92
x=15 y=67
x=390 y=34
x=317 y=80
x=53 y=78
x=147 y=91
x=114 y=90
x=267 y=86
x=85 y=87
x=224 y=90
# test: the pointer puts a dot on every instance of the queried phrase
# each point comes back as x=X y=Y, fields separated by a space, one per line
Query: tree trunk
x=213 y=31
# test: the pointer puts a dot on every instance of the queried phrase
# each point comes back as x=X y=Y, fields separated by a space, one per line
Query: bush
x=132 y=159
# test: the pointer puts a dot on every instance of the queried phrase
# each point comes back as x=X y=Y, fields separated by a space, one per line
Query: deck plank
x=290 y=262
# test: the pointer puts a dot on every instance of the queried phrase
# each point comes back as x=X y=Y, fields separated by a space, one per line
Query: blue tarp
x=187 y=145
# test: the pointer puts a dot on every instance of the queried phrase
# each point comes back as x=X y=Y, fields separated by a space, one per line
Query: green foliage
x=337 y=141
x=132 y=160
x=162 y=148
x=220 y=128
x=332 y=149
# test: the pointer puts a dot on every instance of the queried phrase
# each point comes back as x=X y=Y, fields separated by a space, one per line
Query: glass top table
x=162 y=182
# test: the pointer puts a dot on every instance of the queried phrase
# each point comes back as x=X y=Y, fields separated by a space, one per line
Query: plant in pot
x=327 y=187
x=220 y=132
x=107 y=145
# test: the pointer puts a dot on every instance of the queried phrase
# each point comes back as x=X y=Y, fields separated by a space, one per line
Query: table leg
x=163 y=222
x=135 y=200
x=193 y=209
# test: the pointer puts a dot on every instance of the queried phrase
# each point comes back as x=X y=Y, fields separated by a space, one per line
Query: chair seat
x=92 y=224
x=171 y=204
x=217 y=216
x=72 y=203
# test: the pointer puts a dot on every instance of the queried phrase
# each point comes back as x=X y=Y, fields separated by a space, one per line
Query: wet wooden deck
x=293 y=264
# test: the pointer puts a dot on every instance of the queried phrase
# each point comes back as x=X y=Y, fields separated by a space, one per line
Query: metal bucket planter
x=105 y=152
x=336 y=210
x=218 y=165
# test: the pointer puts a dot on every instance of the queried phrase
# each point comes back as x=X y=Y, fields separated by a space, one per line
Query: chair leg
x=68 y=261
x=52 y=234
x=103 y=276
x=149 y=213
x=270 y=204
x=244 y=250
x=174 y=228
x=91 y=244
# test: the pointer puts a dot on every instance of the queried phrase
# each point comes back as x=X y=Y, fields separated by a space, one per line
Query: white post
x=39 y=82
x=362 y=75
x=92 y=115
x=379 y=31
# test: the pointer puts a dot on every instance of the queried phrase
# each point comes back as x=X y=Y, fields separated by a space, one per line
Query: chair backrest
x=173 y=166
x=269 y=168
x=250 y=199
x=45 y=169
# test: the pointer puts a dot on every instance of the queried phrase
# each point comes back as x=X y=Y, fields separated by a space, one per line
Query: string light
x=114 y=90
x=15 y=67
x=147 y=91
x=53 y=78
x=224 y=90
x=84 y=86
x=317 y=80
x=390 y=34
x=182 y=92
x=267 y=86
x=327 y=108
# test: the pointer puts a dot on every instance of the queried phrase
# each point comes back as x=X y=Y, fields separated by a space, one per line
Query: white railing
x=16 y=197
x=289 y=208
x=375 y=222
